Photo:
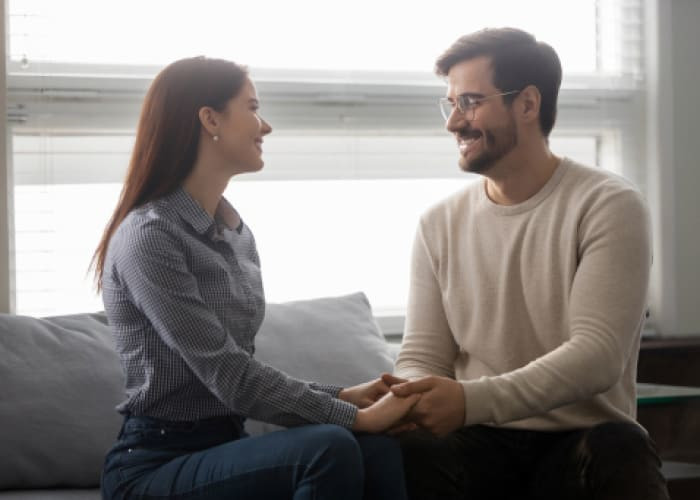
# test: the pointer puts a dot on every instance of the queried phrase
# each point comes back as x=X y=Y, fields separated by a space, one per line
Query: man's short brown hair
x=517 y=60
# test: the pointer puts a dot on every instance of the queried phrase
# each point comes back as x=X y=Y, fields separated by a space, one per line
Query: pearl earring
x=216 y=138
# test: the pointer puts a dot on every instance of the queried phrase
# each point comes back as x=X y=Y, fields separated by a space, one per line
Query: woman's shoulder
x=145 y=227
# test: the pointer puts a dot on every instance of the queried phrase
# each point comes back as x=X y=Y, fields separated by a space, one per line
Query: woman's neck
x=206 y=188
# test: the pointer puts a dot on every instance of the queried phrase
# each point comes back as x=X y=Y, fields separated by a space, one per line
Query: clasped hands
x=396 y=405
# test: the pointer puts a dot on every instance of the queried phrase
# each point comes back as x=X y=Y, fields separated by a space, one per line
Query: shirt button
x=162 y=431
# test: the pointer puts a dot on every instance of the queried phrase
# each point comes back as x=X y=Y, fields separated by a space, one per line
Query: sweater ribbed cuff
x=478 y=401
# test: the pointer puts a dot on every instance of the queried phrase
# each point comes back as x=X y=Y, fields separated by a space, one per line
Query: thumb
x=415 y=387
x=390 y=379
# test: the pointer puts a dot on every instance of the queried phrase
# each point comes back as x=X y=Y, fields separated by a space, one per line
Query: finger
x=390 y=379
x=365 y=402
x=380 y=388
x=414 y=387
x=412 y=401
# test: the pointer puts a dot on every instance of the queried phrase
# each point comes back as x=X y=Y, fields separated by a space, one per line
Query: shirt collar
x=194 y=214
x=227 y=216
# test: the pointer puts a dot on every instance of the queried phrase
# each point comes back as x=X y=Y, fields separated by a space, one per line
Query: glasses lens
x=445 y=108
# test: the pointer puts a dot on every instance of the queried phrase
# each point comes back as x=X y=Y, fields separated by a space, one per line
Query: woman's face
x=241 y=131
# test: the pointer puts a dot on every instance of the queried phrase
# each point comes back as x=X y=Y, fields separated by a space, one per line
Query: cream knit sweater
x=536 y=308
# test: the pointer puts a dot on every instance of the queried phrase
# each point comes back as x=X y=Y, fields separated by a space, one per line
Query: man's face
x=491 y=134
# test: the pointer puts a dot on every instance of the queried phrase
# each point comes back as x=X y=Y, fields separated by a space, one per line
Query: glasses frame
x=466 y=102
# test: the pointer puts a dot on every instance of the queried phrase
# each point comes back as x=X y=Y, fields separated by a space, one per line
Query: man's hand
x=364 y=395
x=440 y=409
x=385 y=413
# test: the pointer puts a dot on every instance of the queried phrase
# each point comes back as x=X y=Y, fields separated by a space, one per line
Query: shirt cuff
x=333 y=390
x=342 y=413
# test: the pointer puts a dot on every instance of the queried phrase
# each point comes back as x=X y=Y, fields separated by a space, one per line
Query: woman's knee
x=383 y=465
x=381 y=453
x=379 y=445
x=333 y=461
x=338 y=443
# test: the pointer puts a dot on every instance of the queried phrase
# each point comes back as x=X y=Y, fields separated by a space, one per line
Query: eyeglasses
x=466 y=104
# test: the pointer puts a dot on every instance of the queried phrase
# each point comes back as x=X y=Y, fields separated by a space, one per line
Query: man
x=526 y=302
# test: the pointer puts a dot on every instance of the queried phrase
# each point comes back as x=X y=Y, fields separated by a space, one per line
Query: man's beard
x=495 y=145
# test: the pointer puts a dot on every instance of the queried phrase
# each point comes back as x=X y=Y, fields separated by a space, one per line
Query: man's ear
x=528 y=104
x=209 y=119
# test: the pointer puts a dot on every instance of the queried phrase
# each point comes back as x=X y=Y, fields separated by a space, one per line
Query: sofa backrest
x=60 y=379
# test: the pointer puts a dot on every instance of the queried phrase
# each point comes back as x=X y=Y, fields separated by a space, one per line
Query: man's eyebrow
x=471 y=94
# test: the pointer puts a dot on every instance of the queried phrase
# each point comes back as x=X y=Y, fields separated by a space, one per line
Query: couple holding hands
x=516 y=376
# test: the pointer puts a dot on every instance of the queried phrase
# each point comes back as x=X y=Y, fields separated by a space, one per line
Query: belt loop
x=123 y=427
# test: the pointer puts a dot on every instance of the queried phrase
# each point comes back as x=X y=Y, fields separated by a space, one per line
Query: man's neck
x=517 y=179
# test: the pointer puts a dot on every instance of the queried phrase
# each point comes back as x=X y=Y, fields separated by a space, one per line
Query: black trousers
x=609 y=461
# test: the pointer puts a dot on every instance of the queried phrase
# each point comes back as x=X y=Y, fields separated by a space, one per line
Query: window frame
x=78 y=98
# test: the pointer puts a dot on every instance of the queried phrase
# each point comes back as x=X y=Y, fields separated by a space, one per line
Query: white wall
x=674 y=167
x=685 y=16
x=673 y=130
x=5 y=183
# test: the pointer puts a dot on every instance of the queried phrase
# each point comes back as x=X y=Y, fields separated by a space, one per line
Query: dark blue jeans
x=215 y=459
x=611 y=461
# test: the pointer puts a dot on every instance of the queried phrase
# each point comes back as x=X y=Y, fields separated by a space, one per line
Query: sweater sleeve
x=428 y=347
x=607 y=303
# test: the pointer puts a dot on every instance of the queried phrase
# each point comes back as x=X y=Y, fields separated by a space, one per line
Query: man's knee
x=420 y=448
x=621 y=462
x=433 y=466
x=618 y=441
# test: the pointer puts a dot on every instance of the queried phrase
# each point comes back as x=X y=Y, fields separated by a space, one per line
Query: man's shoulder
x=598 y=197
x=456 y=204
x=592 y=185
x=584 y=177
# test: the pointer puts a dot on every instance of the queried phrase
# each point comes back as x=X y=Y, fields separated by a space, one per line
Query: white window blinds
x=358 y=142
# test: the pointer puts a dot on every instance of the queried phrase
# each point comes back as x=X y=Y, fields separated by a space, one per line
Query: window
x=358 y=149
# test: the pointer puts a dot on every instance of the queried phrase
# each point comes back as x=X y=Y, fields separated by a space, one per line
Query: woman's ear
x=529 y=104
x=210 y=120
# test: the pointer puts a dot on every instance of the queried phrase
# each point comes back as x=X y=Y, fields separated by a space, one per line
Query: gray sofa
x=60 y=380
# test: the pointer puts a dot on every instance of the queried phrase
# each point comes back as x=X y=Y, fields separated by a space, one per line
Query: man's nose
x=455 y=121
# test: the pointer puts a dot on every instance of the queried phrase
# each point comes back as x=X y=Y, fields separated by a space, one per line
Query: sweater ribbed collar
x=531 y=202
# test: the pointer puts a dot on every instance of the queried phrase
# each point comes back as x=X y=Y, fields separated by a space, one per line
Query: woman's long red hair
x=167 y=137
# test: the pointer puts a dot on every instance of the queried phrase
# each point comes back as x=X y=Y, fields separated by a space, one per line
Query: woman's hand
x=385 y=413
x=364 y=395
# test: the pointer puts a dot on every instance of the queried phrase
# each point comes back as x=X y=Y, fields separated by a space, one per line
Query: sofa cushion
x=332 y=340
x=60 y=380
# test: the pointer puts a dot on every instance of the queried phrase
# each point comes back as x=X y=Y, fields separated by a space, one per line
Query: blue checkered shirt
x=184 y=298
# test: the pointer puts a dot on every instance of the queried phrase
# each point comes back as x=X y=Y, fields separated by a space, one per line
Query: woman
x=181 y=285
